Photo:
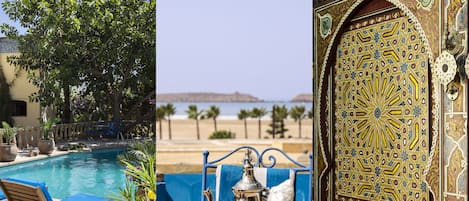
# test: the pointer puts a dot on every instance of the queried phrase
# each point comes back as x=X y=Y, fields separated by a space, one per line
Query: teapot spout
x=208 y=194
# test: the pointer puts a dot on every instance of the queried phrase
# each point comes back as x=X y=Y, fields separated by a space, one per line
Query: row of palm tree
x=297 y=113
x=211 y=113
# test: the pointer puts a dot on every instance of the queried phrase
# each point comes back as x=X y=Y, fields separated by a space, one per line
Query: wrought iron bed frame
x=259 y=162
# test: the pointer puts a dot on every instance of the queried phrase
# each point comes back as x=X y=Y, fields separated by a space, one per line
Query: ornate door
x=381 y=110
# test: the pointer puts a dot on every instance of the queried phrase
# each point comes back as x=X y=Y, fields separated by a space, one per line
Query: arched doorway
x=376 y=133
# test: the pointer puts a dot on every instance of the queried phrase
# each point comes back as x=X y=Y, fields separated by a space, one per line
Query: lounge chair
x=28 y=190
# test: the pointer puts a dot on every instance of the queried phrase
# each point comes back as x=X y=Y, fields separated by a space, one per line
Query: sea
x=230 y=110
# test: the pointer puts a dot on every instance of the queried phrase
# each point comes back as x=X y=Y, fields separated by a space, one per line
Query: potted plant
x=8 y=149
x=46 y=144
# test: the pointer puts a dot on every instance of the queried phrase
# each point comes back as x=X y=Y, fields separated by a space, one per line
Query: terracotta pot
x=8 y=152
x=46 y=146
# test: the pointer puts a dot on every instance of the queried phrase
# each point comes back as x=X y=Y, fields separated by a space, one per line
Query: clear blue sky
x=260 y=47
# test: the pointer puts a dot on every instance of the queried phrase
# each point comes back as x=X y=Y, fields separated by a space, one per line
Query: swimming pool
x=97 y=173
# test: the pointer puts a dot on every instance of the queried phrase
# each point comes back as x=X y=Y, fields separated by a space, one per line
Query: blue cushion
x=87 y=197
x=39 y=184
x=186 y=186
x=162 y=193
x=230 y=174
x=2 y=195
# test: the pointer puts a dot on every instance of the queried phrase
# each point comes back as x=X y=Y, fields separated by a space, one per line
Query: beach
x=183 y=154
x=184 y=129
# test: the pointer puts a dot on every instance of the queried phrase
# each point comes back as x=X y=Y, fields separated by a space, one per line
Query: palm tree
x=298 y=113
x=169 y=110
x=258 y=113
x=160 y=115
x=279 y=114
x=194 y=113
x=212 y=113
x=243 y=115
x=310 y=114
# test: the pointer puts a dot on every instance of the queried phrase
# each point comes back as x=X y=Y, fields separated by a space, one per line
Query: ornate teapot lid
x=248 y=182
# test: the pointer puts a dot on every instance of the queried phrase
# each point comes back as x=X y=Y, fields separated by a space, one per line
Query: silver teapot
x=248 y=188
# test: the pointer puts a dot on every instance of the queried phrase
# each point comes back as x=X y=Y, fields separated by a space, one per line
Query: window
x=18 y=108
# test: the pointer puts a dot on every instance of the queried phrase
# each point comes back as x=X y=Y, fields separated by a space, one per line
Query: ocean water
x=230 y=110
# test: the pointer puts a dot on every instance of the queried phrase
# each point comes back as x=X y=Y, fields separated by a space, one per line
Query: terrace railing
x=29 y=137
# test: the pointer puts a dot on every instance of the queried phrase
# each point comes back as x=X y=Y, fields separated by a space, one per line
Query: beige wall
x=20 y=90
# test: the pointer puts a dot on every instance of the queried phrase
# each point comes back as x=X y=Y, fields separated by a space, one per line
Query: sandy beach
x=183 y=154
x=183 y=129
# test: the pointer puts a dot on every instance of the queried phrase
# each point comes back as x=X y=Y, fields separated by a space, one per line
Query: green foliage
x=46 y=127
x=139 y=152
x=160 y=115
x=310 y=114
x=243 y=115
x=222 y=134
x=169 y=110
x=140 y=172
x=298 y=114
x=105 y=49
x=5 y=98
x=258 y=113
x=277 y=127
x=194 y=113
x=8 y=132
x=212 y=113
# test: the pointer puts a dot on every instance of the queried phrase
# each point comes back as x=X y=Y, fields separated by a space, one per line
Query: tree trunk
x=198 y=130
x=245 y=129
x=161 y=129
x=259 y=135
x=299 y=128
x=67 y=118
x=169 y=129
x=116 y=106
x=215 y=123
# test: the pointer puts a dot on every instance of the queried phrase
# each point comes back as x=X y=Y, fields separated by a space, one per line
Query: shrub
x=140 y=171
x=222 y=134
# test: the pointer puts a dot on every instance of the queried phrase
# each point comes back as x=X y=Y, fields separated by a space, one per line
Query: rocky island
x=206 y=97
x=303 y=98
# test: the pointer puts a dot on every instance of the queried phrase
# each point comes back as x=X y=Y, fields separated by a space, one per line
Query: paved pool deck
x=25 y=156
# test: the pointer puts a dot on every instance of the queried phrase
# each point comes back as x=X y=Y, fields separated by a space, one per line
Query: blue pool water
x=97 y=173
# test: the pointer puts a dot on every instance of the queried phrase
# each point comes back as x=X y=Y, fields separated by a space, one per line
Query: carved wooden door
x=381 y=110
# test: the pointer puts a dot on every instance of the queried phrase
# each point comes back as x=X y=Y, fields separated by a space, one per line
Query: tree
x=160 y=116
x=212 y=113
x=5 y=98
x=298 y=113
x=279 y=114
x=310 y=114
x=50 y=51
x=243 y=115
x=258 y=113
x=104 y=48
x=123 y=34
x=194 y=113
x=169 y=110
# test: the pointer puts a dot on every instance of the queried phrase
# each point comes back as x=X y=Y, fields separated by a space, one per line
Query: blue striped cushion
x=228 y=175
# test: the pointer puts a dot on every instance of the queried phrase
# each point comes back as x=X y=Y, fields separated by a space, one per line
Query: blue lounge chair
x=28 y=190
x=113 y=130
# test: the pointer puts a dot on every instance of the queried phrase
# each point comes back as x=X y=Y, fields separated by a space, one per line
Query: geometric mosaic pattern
x=381 y=111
